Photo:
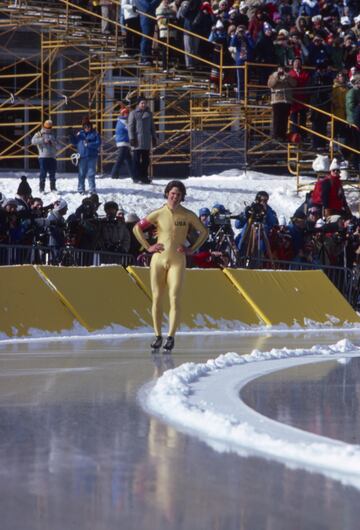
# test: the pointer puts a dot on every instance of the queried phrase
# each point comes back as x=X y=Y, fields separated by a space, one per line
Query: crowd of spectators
x=321 y=231
x=264 y=31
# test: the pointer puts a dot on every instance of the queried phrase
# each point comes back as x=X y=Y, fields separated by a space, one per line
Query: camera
x=255 y=212
x=220 y=219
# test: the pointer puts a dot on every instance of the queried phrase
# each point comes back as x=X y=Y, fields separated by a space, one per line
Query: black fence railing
x=66 y=256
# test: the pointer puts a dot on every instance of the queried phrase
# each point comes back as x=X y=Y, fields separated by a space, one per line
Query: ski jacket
x=45 y=142
x=87 y=143
x=121 y=132
x=302 y=80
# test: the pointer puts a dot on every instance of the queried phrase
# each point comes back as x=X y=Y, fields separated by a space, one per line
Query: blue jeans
x=87 y=169
x=147 y=28
x=47 y=167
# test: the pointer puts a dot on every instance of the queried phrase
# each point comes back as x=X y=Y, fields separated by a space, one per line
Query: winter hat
x=48 y=124
x=334 y=164
x=132 y=218
x=10 y=202
x=61 y=204
x=24 y=188
x=111 y=205
x=283 y=32
x=316 y=18
x=204 y=211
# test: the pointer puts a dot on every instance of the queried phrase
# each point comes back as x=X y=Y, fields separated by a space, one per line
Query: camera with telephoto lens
x=255 y=212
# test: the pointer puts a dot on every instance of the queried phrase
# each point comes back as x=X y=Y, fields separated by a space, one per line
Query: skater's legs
x=158 y=275
x=175 y=280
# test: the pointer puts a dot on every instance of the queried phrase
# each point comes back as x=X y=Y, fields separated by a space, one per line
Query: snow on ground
x=203 y=399
x=233 y=188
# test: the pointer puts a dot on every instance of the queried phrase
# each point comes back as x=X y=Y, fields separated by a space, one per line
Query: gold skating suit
x=167 y=267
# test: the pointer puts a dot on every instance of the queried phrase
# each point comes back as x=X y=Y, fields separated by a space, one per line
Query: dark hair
x=175 y=184
x=261 y=194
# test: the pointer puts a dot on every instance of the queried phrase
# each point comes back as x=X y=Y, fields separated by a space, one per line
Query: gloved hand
x=133 y=142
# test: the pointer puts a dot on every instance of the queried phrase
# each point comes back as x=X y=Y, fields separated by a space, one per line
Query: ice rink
x=79 y=452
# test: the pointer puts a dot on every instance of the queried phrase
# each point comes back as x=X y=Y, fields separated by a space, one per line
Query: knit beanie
x=24 y=188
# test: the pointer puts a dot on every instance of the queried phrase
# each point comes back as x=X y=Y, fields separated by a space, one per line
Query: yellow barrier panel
x=26 y=302
x=208 y=299
x=101 y=296
x=293 y=297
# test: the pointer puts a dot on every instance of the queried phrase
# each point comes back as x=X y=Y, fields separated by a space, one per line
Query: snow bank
x=203 y=399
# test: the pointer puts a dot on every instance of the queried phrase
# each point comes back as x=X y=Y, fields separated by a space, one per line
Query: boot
x=156 y=344
x=53 y=186
x=169 y=344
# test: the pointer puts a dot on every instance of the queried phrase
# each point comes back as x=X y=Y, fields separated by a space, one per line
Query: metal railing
x=65 y=256
x=346 y=280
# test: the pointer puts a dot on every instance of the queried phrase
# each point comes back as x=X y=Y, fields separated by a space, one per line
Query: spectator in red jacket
x=329 y=194
x=298 y=110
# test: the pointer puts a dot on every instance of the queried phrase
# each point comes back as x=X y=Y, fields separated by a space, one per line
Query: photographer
x=220 y=229
x=257 y=213
x=88 y=142
x=281 y=84
x=83 y=226
x=46 y=144
x=113 y=234
x=241 y=48
x=56 y=230
x=329 y=240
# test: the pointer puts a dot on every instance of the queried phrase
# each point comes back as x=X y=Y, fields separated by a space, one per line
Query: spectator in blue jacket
x=241 y=49
x=87 y=141
x=122 y=144
x=259 y=212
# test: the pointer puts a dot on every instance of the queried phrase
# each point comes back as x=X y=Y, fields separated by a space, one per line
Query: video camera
x=256 y=212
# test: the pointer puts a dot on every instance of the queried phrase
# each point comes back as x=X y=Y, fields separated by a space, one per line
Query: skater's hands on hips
x=157 y=247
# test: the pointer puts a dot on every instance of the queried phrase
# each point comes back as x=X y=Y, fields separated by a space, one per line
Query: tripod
x=224 y=242
x=256 y=243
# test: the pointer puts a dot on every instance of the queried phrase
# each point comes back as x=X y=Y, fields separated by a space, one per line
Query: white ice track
x=203 y=399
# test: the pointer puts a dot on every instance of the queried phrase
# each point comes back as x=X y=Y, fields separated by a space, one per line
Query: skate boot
x=169 y=345
x=156 y=344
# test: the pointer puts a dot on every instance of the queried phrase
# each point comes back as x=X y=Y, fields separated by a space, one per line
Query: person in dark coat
x=142 y=136
x=321 y=96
